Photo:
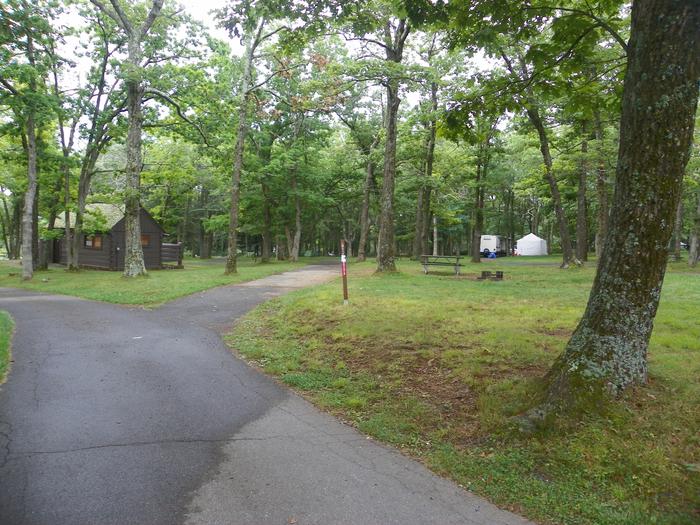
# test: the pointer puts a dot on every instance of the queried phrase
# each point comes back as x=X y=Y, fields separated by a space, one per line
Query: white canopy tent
x=531 y=244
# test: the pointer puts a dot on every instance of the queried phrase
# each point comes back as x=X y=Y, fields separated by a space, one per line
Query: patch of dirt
x=409 y=370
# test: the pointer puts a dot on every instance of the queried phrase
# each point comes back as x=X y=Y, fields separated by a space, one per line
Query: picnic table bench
x=441 y=260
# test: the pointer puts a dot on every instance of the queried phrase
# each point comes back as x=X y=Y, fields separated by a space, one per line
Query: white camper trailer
x=492 y=244
x=531 y=244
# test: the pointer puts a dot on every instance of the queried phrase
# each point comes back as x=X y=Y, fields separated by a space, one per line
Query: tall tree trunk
x=478 y=215
x=133 y=252
x=423 y=200
x=601 y=189
x=35 y=227
x=435 y=235
x=296 y=239
x=242 y=132
x=5 y=225
x=582 y=204
x=386 y=245
x=677 y=232
x=17 y=222
x=68 y=235
x=417 y=241
x=364 y=213
x=425 y=221
x=608 y=350
x=267 y=225
x=531 y=107
x=564 y=237
x=511 y=221
x=29 y=198
x=694 y=253
x=28 y=226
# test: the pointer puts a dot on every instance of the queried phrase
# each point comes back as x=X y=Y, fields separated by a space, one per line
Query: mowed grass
x=6 y=326
x=158 y=287
x=437 y=365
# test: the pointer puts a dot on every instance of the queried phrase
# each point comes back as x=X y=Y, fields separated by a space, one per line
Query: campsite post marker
x=344 y=270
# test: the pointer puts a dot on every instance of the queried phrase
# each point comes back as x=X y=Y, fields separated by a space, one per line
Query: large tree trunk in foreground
x=608 y=350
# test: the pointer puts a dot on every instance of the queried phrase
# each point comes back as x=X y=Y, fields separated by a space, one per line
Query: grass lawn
x=5 y=336
x=436 y=365
x=158 y=287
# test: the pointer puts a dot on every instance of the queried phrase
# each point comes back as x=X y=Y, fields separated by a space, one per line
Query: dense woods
x=404 y=128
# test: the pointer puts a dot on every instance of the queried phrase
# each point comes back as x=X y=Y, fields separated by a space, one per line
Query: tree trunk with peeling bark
x=608 y=350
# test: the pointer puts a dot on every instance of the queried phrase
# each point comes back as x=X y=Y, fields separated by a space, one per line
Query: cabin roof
x=109 y=214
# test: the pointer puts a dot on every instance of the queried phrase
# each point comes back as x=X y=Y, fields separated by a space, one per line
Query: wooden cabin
x=104 y=249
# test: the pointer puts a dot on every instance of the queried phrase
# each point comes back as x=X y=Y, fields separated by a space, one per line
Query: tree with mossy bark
x=24 y=65
x=608 y=351
x=135 y=31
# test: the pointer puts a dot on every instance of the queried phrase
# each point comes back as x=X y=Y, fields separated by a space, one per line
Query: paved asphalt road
x=115 y=415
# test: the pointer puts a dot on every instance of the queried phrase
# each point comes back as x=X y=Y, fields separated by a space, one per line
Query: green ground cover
x=436 y=365
x=5 y=336
x=158 y=287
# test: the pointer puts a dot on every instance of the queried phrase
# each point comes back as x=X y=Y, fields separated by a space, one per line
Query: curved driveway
x=115 y=415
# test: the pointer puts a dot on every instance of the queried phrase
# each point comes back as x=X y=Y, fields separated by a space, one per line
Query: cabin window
x=145 y=240
x=93 y=242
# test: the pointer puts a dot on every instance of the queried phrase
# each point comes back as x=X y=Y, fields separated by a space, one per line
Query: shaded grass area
x=6 y=326
x=436 y=365
x=157 y=287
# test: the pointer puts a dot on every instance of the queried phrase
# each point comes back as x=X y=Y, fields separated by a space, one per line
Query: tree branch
x=150 y=19
x=114 y=15
x=178 y=109
x=602 y=23
x=8 y=86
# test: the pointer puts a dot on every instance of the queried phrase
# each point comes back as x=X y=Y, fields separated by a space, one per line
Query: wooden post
x=344 y=270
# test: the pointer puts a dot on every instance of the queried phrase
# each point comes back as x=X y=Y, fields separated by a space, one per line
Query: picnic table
x=441 y=260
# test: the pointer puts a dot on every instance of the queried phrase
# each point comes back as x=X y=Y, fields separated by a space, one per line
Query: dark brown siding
x=111 y=256
x=151 y=253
